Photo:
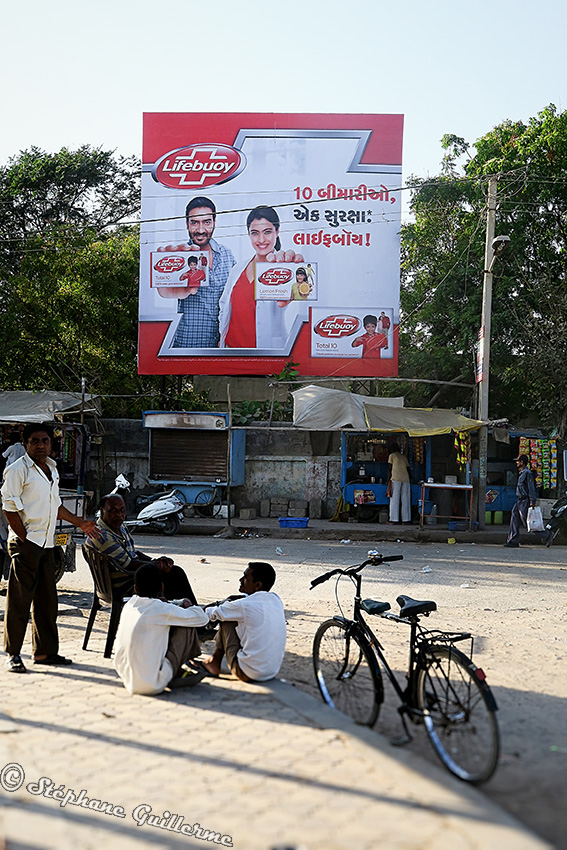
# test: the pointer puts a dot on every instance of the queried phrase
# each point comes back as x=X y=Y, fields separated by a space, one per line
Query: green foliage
x=265 y=411
x=246 y=412
x=69 y=280
x=443 y=262
x=288 y=373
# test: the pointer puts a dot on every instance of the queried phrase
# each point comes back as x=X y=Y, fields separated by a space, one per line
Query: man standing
x=32 y=506
x=199 y=306
x=15 y=450
x=399 y=476
x=252 y=631
x=526 y=497
x=116 y=542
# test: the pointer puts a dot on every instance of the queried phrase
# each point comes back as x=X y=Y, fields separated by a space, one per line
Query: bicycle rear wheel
x=347 y=672
x=459 y=713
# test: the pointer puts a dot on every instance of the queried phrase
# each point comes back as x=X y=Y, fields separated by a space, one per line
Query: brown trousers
x=228 y=640
x=183 y=645
x=31 y=586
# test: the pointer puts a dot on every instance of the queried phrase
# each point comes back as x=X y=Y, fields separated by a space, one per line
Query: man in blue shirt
x=199 y=324
x=526 y=497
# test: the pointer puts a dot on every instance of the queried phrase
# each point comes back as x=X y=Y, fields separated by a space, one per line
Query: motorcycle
x=557 y=521
x=164 y=512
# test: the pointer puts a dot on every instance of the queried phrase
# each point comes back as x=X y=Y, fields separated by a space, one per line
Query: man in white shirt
x=15 y=450
x=31 y=504
x=252 y=631
x=156 y=638
x=399 y=478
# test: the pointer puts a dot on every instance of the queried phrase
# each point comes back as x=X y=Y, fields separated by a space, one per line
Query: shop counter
x=458 y=487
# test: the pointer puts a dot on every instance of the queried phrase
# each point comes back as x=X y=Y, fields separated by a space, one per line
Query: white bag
x=535 y=520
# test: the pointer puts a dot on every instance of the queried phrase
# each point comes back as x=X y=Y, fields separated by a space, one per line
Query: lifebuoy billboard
x=269 y=238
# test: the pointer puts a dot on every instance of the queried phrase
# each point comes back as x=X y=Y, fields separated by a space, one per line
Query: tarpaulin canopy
x=417 y=421
x=322 y=409
x=44 y=406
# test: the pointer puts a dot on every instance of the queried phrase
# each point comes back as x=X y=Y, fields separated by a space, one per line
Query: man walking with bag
x=526 y=497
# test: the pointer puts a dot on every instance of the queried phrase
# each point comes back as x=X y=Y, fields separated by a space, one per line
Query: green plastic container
x=488 y=517
x=497 y=517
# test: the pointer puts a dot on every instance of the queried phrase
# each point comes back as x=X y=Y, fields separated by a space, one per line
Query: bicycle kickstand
x=402 y=740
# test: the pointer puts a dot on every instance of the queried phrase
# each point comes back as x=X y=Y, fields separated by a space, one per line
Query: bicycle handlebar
x=375 y=560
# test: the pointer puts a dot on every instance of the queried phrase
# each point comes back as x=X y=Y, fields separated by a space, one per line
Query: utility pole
x=484 y=344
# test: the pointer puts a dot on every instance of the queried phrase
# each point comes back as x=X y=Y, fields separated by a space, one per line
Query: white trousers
x=401 y=495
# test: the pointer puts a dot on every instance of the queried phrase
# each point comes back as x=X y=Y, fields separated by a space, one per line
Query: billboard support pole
x=228 y=442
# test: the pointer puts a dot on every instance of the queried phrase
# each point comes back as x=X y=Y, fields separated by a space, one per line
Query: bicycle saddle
x=372 y=606
x=411 y=607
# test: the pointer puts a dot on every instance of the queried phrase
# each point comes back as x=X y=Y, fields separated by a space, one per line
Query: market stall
x=195 y=452
x=437 y=444
x=546 y=460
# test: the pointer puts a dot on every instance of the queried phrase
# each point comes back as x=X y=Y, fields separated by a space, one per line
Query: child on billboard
x=372 y=341
x=301 y=289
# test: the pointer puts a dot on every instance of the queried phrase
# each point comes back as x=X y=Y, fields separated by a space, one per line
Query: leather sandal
x=54 y=660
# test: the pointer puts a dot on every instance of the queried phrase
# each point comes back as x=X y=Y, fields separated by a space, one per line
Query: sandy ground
x=513 y=601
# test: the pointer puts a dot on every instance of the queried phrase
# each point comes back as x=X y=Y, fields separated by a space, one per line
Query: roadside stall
x=198 y=454
x=546 y=459
x=437 y=444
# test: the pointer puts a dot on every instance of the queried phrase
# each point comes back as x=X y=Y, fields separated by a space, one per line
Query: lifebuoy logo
x=275 y=277
x=168 y=265
x=198 y=166
x=337 y=325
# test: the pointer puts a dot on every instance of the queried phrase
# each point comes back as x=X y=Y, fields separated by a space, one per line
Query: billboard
x=267 y=238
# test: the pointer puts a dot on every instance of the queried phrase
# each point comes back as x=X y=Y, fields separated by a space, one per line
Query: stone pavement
x=249 y=766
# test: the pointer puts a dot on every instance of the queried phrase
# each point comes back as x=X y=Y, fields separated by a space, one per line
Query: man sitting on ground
x=156 y=638
x=252 y=631
x=117 y=544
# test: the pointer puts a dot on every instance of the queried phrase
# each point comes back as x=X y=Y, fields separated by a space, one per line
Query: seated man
x=252 y=631
x=116 y=542
x=155 y=638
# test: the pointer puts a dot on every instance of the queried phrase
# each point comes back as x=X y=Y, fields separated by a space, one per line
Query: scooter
x=164 y=513
x=558 y=520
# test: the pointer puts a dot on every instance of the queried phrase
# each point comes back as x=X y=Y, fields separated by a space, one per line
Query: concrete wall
x=302 y=477
x=291 y=464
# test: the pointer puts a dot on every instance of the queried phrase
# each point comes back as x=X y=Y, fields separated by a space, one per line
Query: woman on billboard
x=245 y=322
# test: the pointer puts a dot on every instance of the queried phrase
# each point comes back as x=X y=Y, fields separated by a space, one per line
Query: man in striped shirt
x=116 y=542
x=199 y=306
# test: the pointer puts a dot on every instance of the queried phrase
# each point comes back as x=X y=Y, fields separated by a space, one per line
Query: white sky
x=74 y=72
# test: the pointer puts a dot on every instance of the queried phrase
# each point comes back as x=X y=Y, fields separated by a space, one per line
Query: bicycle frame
x=443 y=688
x=420 y=640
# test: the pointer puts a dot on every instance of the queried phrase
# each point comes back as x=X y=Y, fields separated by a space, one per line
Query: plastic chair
x=104 y=591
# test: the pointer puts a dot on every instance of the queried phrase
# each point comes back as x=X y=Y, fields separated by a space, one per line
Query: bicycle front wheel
x=458 y=713
x=347 y=672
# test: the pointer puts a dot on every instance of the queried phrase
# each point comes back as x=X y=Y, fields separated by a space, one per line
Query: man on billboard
x=199 y=305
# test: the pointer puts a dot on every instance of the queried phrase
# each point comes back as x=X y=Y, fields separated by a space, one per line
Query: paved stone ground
x=258 y=765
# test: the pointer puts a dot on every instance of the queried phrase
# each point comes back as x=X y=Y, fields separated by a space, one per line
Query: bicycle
x=445 y=691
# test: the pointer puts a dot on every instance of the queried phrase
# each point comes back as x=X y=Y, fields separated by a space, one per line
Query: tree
x=69 y=278
x=443 y=261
